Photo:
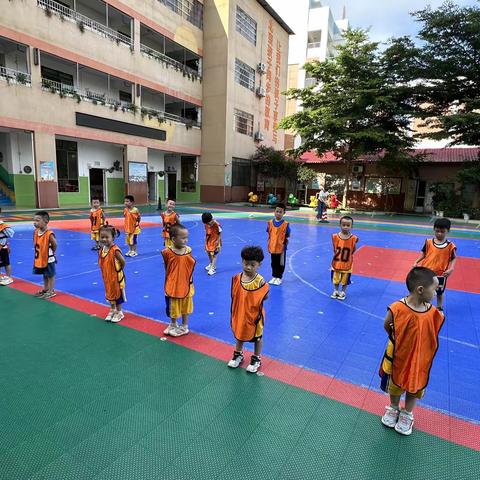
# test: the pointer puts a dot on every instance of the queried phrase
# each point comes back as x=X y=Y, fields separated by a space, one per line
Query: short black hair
x=282 y=206
x=95 y=198
x=443 y=223
x=419 y=276
x=346 y=217
x=44 y=214
x=207 y=217
x=175 y=228
x=170 y=200
x=130 y=197
x=252 y=253
x=110 y=228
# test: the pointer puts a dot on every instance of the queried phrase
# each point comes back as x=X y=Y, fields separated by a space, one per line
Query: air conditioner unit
x=261 y=67
x=261 y=92
x=259 y=137
x=357 y=169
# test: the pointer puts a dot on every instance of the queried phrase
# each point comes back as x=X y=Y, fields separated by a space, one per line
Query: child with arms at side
x=132 y=225
x=278 y=234
x=45 y=246
x=97 y=221
x=213 y=241
x=169 y=218
x=5 y=233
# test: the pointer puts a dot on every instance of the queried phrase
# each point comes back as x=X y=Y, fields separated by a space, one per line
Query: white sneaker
x=134 y=254
x=404 y=425
x=334 y=294
x=279 y=281
x=208 y=267
x=6 y=281
x=110 y=315
x=171 y=327
x=272 y=281
x=117 y=316
x=236 y=360
x=255 y=363
x=390 y=417
x=342 y=295
x=212 y=271
x=180 y=330
x=128 y=254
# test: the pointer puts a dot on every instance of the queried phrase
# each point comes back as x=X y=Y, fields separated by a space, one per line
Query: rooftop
x=276 y=16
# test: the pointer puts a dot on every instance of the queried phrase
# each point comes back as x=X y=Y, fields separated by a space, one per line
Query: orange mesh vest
x=131 y=219
x=343 y=252
x=247 y=309
x=41 y=245
x=178 y=273
x=168 y=220
x=277 y=237
x=212 y=234
x=112 y=273
x=96 y=219
x=415 y=343
x=437 y=258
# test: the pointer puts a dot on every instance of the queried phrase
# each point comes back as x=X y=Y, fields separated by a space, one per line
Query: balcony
x=97 y=16
x=190 y=10
x=14 y=66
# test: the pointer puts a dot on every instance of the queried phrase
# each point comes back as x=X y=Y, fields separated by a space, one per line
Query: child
x=440 y=255
x=249 y=291
x=112 y=263
x=213 y=241
x=179 y=266
x=97 y=220
x=132 y=225
x=278 y=233
x=344 y=246
x=5 y=233
x=169 y=218
x=413 y=325
x=45 y=245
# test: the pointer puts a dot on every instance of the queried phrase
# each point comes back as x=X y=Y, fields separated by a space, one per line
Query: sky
x=385 y=18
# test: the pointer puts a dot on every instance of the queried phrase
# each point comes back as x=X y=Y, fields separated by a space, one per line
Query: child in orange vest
x=344 y=246
x=213 y=241
x=5 y=233
x=132 y=225
x=45 y=245
x=413 y=326
x=112 y=263
x=278 y=233
x=440 y=255
x=97 y=220
x=179 y=266
x=249 y=291
x=169 y=218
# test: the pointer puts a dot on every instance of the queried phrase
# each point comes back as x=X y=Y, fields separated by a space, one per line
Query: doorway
x=97 y=183
x=152 y=187
x=420 y=196
x=172 y=186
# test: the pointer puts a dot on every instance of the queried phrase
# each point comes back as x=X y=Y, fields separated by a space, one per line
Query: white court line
x=365 y=312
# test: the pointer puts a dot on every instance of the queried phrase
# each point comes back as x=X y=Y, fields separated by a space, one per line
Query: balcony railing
x=314 y=45
x=169 y=117
x=84 y=22
x=190 y=10
x=161 y=57
x=14 y=76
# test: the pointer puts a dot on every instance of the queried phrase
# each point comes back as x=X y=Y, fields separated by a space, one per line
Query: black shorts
x=4 y=257
x=442 y=285
x=48 y=272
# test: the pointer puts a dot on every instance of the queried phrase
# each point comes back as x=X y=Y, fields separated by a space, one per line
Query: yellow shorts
x=176 y=307
x=167 y=242
x=341 y=277
x=397 y=391
x=95 y=235
x=131 y=238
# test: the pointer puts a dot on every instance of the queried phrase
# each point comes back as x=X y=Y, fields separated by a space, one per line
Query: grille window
x=244 y=75
x=246 y=26
x=243 y=122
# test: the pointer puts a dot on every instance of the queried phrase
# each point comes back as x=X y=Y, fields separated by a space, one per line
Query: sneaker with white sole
x=134 y=254
x=255 y=363
x=117 y=317
x=171 y=327
x=49 y=294
x=180 y=331
x=342 y=295
x=236 y=360
x=334 y=294
x=108 y=318
x=40 y=293
x=404 y=425
x=6 y=281
x=128 y=254
x=273 y=281
x=390 y=417
x=279 y=281
x=212 y=271
x=208 y=267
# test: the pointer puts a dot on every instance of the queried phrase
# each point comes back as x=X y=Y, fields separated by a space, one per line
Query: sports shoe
x=390 y=417
x=208 y=267
x=273 y=281
x=110 y=315
x=279 y=281
x=255 y=363
x=171 y=327
x=134 y=254
x=404 y=426
x=40 y=293
x=334 y=294
x=128 y=254
x=6 y=280
x=212 y=271
x=94 y=248
x=117 y=317
x=342 y=295
x=180 y=330
x=236 y=360
x=49 y=294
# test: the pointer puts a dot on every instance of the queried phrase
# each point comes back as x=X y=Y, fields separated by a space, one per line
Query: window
x=189 y=174
x=125 y=96
x=244 y=75
x=246 y=26
x=315 y=4
x=57 y=76
x=243 y=122
x=67 y=166
x=314 y=39
x=190 y=10
x=241 y=172
x=383 y=185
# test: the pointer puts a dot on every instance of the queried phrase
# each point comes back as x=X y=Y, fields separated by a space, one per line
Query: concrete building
x=105 y=98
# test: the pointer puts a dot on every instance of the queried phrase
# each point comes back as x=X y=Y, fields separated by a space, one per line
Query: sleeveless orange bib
x=41 y=245
x=112 y=274
x=343 y=252
x=178 y=273
x=277 y=237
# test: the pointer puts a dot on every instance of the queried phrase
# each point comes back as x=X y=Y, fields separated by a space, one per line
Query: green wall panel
x=191 y=197
x=82 y=197
x=115 y=190
x=161 y=189
x=6 y=177
x=24 y=186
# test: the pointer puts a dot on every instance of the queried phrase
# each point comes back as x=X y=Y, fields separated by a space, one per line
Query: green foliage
x=274 y=163
x=305 y=174
x=470 y=174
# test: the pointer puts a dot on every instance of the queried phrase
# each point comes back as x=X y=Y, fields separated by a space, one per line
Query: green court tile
x=167 y=399
x=86 y=391
x=64 y=468
x=245 y=467
x=464 y=463
x=14 y=430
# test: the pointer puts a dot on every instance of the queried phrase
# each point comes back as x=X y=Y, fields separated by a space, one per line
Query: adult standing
x=322 y=196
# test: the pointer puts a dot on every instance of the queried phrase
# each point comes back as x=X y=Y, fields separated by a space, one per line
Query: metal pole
x=106 y=14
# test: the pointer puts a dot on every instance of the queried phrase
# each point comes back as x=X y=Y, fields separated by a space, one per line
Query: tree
x=305 y=175
x=362 y=106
